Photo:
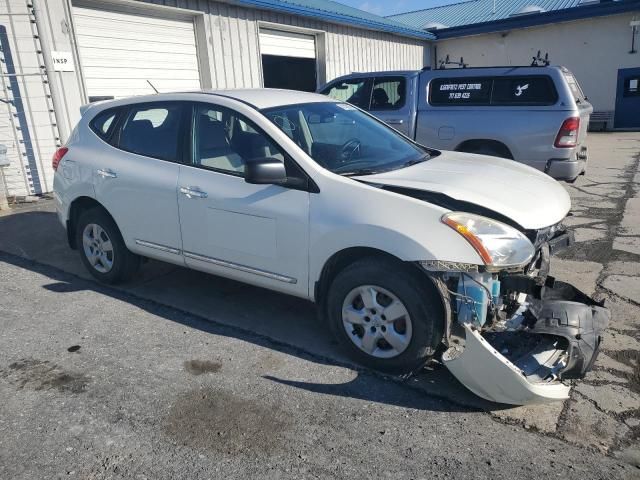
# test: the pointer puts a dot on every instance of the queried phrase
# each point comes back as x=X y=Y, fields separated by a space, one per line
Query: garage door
x=288 y=60
x=287 y=44
x=121 y=53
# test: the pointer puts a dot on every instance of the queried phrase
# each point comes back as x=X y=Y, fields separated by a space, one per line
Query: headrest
x=211 y=133
x=380 y=97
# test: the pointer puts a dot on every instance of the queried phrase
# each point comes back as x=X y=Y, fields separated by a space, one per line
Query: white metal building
x=60 y=54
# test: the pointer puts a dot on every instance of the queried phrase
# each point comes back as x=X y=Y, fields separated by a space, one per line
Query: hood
x=520 y=193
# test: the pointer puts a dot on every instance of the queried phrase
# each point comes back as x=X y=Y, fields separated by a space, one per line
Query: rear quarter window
x=531 y=90
x=104 y=123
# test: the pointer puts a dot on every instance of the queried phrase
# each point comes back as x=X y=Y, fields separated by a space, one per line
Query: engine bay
x=519 y=337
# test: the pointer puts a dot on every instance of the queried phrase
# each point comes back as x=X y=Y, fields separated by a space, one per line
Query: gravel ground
x=182 y=375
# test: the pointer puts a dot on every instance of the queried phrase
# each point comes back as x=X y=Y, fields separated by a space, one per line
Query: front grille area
x=538 y=237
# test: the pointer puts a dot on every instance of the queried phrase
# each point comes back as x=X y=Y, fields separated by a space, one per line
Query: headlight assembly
x=498 y=244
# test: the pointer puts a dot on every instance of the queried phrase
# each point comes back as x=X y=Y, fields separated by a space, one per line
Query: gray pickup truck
x=534 y=115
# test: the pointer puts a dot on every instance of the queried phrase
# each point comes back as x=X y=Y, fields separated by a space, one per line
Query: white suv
x=408 y=251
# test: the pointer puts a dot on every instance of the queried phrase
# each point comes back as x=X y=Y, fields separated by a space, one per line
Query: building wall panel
x=593 y=49
x=228 y=47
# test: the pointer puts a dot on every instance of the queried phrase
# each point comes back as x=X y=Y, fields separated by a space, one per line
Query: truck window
x=460 y=91
x=574 y=86
x=354 y=91
x=530 y=90
x=505 y=90
x=389 y=93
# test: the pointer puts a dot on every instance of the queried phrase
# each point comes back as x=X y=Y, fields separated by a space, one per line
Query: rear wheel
x=102 y=248
x=386 y=315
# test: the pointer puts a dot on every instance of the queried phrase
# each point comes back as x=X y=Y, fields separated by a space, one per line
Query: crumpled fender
x=488 y=374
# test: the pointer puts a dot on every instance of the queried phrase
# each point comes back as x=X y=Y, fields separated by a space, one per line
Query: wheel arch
x=76 y=208
x=349 y=256
x=475 y=144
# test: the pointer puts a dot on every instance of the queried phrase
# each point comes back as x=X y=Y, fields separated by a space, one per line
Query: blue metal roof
x=466 y=18
x=337 y=13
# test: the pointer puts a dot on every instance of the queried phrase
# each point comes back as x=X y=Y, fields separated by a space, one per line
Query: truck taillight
x=55 y=161
x=568 y=134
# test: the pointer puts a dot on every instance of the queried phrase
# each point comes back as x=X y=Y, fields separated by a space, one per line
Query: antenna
x=154 y=88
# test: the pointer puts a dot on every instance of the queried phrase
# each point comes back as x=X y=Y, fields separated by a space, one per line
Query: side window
x=534 y=90
x=153 y=130
x=389 y=93
x=225 y=141
x=574 y=86
x=460 y=91
x=354 y=91
x=103 y=123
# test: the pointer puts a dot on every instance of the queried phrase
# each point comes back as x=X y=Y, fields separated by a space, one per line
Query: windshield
x=345 y=140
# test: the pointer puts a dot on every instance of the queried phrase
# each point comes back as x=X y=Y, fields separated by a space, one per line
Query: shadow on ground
x=35 y=240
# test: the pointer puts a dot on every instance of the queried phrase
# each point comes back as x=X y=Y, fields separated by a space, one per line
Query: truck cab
x=534 y=115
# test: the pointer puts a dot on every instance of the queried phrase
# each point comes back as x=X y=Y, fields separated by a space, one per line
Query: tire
x=113 y=263
x=415 y=335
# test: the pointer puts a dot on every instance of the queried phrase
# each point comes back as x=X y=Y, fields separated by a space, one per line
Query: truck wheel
x=102 y=248
x=386 y=315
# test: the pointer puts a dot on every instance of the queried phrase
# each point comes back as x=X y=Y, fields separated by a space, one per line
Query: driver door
x=257 y=234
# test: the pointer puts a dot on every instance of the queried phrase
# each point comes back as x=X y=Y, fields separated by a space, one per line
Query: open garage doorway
x=288 y=60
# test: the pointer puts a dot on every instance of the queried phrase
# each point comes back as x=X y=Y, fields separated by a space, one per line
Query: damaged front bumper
x=528 y=358
x=519 y=338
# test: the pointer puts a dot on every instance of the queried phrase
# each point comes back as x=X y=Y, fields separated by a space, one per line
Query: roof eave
x=535 y=19
x=336 y=18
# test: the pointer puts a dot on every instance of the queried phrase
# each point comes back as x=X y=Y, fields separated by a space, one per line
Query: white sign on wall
x=62 y=61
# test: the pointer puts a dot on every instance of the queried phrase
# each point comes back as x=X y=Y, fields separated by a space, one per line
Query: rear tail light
x=568 y=135
x=55 y=161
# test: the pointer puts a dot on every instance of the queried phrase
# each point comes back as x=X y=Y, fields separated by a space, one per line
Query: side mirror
x=261 y=171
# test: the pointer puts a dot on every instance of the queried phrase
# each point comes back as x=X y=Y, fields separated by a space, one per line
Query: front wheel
x=388 y=316
x=102 y=248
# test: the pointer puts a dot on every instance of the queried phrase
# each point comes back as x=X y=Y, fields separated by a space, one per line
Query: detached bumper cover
x=557 y=338
x=488 y=374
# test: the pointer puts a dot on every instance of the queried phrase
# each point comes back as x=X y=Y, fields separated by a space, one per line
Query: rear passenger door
x=389 y=102
x=136 y=177
x=257 y=234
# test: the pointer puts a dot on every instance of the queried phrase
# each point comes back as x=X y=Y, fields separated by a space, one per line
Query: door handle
x=395 y=121
x=191 y=192
x=106 y=173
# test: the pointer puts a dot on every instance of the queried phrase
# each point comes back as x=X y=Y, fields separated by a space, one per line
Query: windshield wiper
x=360 y=171
x=423 y=158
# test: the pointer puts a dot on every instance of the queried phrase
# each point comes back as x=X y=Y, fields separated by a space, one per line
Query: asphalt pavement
x=185 y=375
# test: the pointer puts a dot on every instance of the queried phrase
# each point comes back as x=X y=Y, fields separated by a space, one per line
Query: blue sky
x=384 y=7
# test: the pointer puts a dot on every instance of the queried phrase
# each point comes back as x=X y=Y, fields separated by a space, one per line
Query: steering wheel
x=348 y=149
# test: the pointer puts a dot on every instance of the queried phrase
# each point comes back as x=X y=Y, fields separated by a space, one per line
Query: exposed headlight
x=498 y=245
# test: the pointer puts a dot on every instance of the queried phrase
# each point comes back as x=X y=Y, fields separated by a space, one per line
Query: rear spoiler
x=84 y=108
x=96 y=101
